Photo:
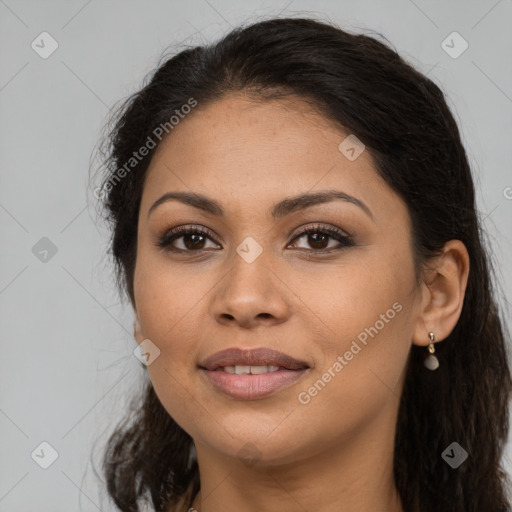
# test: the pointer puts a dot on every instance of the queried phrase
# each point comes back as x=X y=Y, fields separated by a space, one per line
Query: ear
x=137 y=330
x=442 y=295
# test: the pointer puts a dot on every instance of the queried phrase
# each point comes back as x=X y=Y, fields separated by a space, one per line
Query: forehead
x=239 y=148
x=237 y=125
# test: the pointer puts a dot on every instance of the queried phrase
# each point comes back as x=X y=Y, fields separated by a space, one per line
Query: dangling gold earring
x=431 y=362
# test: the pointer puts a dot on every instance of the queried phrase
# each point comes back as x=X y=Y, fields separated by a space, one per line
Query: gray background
x=67 y=366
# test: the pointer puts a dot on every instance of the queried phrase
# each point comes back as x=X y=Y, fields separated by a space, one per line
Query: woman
x=294 y=223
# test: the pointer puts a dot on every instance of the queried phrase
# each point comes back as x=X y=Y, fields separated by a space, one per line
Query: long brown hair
x=403 y=119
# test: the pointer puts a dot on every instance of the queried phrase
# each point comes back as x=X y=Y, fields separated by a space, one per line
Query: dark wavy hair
x=403 y=119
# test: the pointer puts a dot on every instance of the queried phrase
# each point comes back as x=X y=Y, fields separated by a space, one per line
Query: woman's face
x=345 y=307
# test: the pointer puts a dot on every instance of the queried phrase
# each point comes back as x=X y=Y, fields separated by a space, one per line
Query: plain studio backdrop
x=67 y=365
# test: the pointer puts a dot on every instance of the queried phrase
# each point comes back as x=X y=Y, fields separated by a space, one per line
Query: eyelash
x=178 y=232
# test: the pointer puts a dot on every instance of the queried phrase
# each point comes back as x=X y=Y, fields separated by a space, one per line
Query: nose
x=251 y=294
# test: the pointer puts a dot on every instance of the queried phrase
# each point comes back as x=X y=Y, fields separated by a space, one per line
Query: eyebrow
x=279 y=210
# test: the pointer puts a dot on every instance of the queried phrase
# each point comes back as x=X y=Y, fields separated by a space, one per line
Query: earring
x=431 y=362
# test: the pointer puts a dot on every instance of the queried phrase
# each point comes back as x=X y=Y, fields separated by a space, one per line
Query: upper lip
x=251 y=357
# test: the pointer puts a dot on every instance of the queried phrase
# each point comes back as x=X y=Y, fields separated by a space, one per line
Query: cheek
x=167 y=304
x=346 y=298
x=166 y=314
x=183 y=404
x=368 y=321
x=166 y=294
x=165 y=323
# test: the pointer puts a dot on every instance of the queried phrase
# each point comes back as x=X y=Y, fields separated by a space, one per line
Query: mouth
x=257 y=359
x=249 y=370
x=251 y=374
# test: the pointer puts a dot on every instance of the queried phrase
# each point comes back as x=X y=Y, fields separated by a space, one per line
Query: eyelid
x=321 y=227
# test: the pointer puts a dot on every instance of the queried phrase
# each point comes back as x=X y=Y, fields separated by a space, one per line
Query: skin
x=335 y=452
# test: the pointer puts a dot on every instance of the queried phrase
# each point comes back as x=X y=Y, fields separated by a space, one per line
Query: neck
x=354 y=474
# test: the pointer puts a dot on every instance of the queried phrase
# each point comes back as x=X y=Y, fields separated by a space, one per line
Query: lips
x=251 y=374
x=253 y=357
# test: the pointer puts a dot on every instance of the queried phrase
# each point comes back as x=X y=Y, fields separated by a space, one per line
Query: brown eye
x=318 y=238
x=194 y=239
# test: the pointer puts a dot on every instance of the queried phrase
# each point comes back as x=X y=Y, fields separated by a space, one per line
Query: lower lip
x=251 y=387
